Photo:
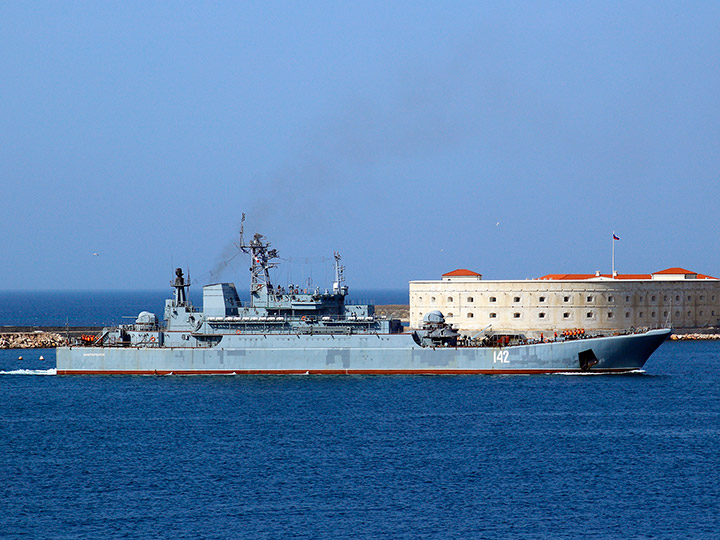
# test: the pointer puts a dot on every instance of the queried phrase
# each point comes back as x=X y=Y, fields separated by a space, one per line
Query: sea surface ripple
x=511 y=457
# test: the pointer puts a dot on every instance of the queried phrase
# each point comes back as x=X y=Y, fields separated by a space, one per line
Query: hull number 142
x=500 y=357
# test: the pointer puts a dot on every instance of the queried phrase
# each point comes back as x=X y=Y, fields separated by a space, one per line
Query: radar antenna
x=261 y=257
x=338 y=287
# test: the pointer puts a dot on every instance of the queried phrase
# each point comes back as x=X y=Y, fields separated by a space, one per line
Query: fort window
x=640 y=314
x=419 y=298
x=677 y=313
x=689 y=297
x=689 y=314
x=627 y=298
x=470 y=299
x=589 y=315
x=610 y=314
x=566 y=315
x=566 y=298
x=712 y=313
x=665 y=298
x=516 y=299
x=664 y=313
x=516 y=315
x=432 y=299
x=702 y=297
x=652 y=298
x=677 y=298
x=589 y=298
x=541 y=315
x=627 y=314
x=493 y=315
x=470 y=315
x=701 y=313
x=541 y=299
x=611 y=298
x=652 y=314
x=450 y=299
x=450 y=314
x=493 y=299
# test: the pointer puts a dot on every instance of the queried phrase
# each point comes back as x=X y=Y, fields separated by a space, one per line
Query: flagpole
x=613 y=255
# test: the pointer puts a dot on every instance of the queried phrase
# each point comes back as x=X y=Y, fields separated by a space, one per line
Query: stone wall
x=553 y=305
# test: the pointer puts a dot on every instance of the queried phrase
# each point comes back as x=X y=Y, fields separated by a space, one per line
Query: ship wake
x=586 y=373
x=51 y=371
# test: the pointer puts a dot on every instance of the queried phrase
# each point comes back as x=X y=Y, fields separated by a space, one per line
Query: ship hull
x=265 y=354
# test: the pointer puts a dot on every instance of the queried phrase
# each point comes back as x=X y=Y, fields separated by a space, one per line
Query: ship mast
x=262 y=261
x=180 y=286
x=338 y=284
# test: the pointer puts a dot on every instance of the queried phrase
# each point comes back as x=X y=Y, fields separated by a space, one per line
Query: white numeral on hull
x=500 y=357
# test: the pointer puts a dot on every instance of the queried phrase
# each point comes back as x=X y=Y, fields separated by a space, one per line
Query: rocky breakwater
x=31 y=340
x=694 y=337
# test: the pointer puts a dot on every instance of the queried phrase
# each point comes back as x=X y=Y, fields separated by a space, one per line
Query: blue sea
x=311 y=457
x=98 y=308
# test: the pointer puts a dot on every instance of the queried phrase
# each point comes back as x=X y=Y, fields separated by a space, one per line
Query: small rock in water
x=19 y=357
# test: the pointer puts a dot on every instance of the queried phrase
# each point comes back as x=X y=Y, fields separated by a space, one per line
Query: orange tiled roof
x=580 y=277
x=462 y=272
x=675 y=270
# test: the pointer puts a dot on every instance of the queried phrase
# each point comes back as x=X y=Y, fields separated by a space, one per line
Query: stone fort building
x=595 y=302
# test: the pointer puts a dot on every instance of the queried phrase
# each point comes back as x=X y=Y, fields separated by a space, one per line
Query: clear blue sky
x=510 y=138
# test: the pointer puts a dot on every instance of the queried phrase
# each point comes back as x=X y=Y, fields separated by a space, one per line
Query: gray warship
x=296 y=331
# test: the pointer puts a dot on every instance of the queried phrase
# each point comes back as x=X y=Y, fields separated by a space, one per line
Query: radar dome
x=434 y=316
x=145 y=317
